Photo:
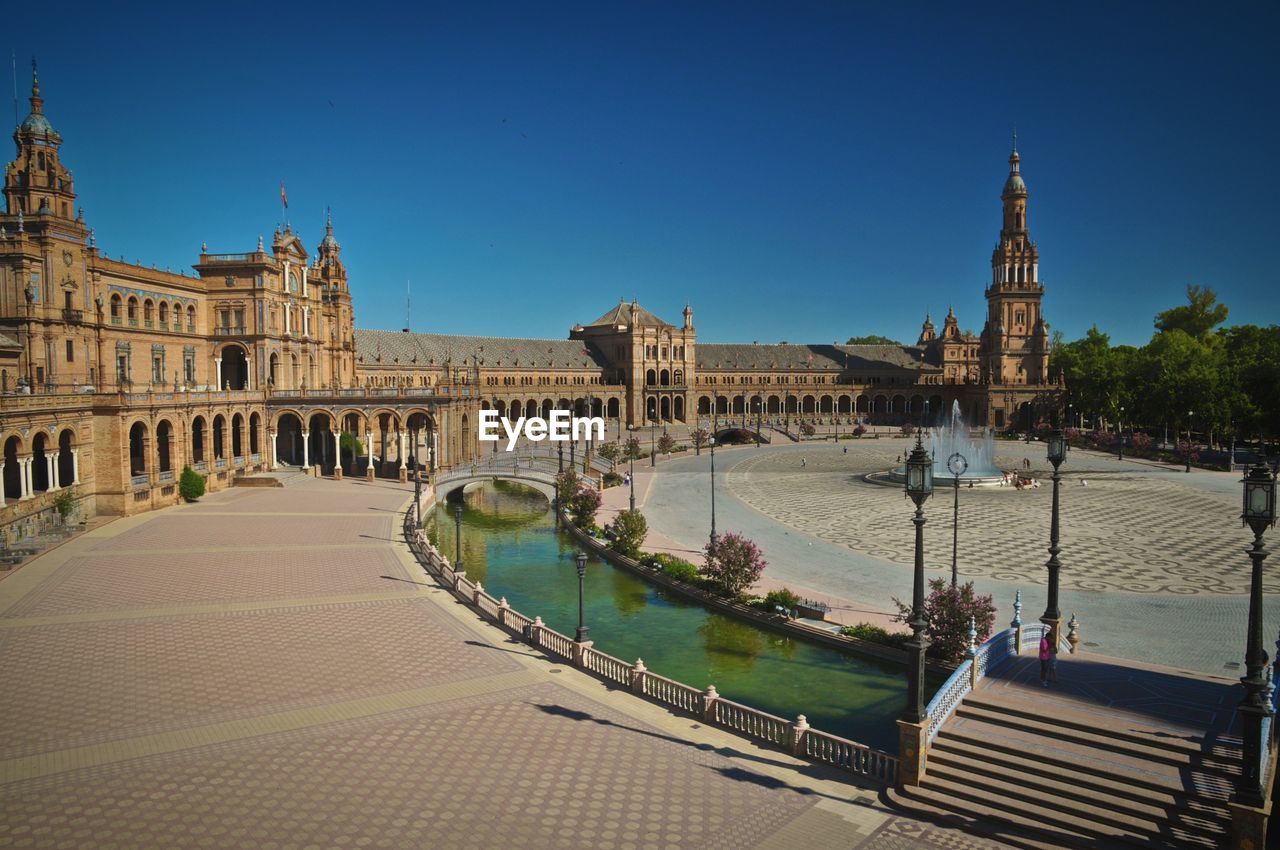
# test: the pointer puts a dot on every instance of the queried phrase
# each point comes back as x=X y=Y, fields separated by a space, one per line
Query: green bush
x=612 y=479
x=629 y=530
x=191 y=484
x=64 y=503
x=782 y=596
x=876 y=634
x=681 y=571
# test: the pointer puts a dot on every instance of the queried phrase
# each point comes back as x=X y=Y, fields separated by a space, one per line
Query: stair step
x=1084 y=821
x=1070 y=781
x=990 y=738
x=1035 y=792
x=1095 y=739
x=989 y=820
x=1135 y=731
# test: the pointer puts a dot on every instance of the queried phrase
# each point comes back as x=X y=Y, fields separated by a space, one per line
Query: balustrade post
x=503 y=607
x=1016 y=625
x=1073 y=632
x=972 y=654
x=580 y=652
x=638 y=672
x=798 y=730
x=475 y=594
x=709 y=704
x=535 y=632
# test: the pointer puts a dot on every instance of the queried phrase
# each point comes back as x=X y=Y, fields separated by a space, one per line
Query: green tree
x=190 y=484
x=567 y=484
x=629 y=528
x=1251 y=376
x=1181 y=375
x=666 y=444
x=872 y=339
x=632 y=449
x=700 y=438
x=1201 y=314
x=733 y=563
x=610 y=452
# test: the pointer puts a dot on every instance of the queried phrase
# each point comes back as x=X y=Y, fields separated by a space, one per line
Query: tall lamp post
x=1120 y=435
x=957 y=463
x=1259 y=514
x=417 y=498
x=919 y=488
x=1189 y=415
x=653 y=449
x=712 y=443
x=631 y=458
x=1052 y=614
x=457 y=539
x=758 y=413
x=581 y=634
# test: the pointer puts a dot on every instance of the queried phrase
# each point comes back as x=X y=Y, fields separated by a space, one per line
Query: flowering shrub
x=807 y=429
x=948 y=610
x=1140 y=441
x=733 y=563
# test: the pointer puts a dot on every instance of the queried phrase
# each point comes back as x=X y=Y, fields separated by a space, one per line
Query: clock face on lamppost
x=957 y=464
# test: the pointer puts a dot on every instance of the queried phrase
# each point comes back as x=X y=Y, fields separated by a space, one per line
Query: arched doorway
x=66 y=460
x=255 y=441
x=237 y=435
x=219 y=437
x=273 y=373
x=39 y=462
x=138 y=449
x=164 y=440
x=235 y=368
x=12 y=470
x=320 y=442
x=198 y=438
x=289 y=440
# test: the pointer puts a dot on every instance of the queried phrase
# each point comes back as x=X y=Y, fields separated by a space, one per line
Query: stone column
x=274 y=465
x=404 y=469
x=75 y=466
x=912 y=747
x=337 y=455
x=217 y=373
x=24 y=477
x=51 y=464
x=306 y=449
x=248 y=372
x=368 y=455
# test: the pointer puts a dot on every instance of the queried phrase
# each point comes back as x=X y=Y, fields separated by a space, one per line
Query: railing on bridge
x=708 y=706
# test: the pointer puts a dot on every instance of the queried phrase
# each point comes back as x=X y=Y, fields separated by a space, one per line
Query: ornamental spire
x=37 y=102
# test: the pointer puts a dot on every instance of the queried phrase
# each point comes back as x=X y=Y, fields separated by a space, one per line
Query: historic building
x=114 y=375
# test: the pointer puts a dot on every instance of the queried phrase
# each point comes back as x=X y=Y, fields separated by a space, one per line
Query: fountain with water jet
x=951 y=437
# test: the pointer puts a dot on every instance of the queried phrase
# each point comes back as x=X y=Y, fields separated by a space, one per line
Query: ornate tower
x=335 y=299
x=36 y=183
x=1015 y=345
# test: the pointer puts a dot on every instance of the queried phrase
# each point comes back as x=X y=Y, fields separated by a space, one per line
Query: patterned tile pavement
x=1186 y=548
x=309 y=702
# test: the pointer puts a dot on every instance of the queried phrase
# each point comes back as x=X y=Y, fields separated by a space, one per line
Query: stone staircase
x=1049 y=773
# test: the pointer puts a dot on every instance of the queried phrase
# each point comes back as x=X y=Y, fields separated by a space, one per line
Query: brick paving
x=240 y=673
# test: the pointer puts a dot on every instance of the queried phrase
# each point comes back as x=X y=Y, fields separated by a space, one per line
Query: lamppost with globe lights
x=653 y=449
x=758 y=413
x=1052 y=614
x=1259 y=514
x=581 y=634
x=957 y=463
x=631 y=459
x=1189 y=415
x=712 y=443
x=1120 y=435
x=457 y=538
x=919 y=487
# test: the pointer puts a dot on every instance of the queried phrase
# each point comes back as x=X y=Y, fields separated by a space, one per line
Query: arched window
x=133 y=309
x=115 y=305
x=164 y=312
x=293 y=282
x=147 y=309
x=191 y=318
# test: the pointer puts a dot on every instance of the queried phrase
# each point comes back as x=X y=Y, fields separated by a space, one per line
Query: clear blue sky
x=804 y=172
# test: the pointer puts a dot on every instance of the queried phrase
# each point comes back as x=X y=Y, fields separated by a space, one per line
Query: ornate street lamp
x=457 y=539
x=758 y=412
x=1189 y=415
x=631 y=458
x=560 y=460
x=919 y=488
x=1259 y=514
x=1052 y=615
x=1120 y=434
x=581 y=634
x=714 y=537
x=417 y=498
x=653 y=450
x=957 y=463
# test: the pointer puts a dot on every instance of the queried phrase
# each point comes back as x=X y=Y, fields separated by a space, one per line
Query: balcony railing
x=220 y=463
x=238 y=330
x=140 y=480
x=72 y=317
x=201 y=466
x=166 y=475
x=133 y=321
x=239 y=461
x=116 y=320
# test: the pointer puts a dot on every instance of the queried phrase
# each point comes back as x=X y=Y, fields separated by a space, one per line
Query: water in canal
x=511 y=545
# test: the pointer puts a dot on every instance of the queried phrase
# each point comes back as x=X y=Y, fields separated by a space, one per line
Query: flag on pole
x=284 y=199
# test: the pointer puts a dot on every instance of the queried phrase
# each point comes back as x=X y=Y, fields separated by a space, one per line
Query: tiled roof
x=629 y=314
x=713 y=355
x=426 y=349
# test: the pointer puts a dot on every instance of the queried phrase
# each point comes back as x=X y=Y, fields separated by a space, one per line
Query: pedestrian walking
x=1046 y=657
x=802 y=462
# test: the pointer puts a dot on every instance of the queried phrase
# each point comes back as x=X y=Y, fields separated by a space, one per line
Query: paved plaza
x=269 y=669
x=1153 y=558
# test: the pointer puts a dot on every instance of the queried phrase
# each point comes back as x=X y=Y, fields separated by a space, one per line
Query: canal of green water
x=511 y=545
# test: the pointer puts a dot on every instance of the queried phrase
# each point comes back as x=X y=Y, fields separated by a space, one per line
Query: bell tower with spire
x=36 y=183
x=335 y=299
x=1015 y=341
